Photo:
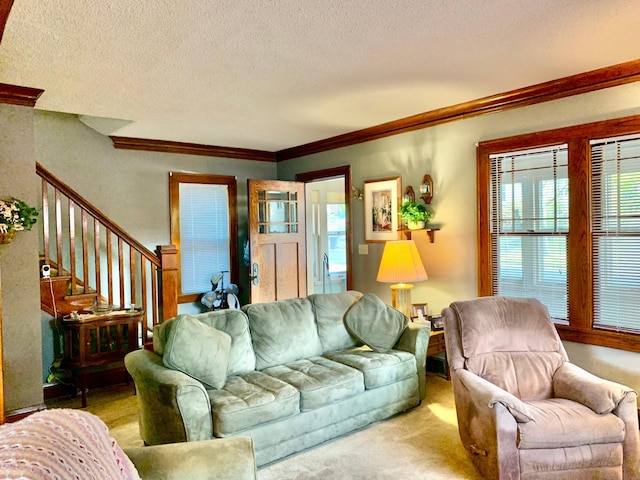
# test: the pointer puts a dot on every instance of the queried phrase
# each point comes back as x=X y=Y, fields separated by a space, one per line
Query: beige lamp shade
x=401 y=263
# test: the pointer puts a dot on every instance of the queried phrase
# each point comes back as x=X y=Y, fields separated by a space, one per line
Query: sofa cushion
x=319 y=380
x=251 y=399
x=375 y=323
x=62 y=443
x=198 y=350
x=330 y=309
x=283 y=331
x=379 y=369
x=231 y=321
x=559 y=423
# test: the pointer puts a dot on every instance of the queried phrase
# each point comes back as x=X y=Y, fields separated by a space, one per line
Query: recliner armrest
x=221 y=459
x=600 y=395
x=486 y=392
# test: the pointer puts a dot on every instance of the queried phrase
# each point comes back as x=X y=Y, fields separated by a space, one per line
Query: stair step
x=80 y=297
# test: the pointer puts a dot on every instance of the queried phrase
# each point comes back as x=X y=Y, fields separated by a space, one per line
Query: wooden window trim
x=175 y=179
x=580 y=267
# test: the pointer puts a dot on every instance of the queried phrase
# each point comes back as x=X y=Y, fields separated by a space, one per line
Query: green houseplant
x=414 y=214
x=15 y=216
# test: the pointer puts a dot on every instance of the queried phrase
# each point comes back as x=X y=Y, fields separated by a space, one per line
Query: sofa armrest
x=178 y=399
x=221 y=459
x=415 y=339
x=600 y=395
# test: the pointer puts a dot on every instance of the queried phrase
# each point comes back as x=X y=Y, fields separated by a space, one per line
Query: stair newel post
x=168 y=280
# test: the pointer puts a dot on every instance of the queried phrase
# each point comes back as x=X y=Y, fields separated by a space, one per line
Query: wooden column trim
x=579 y=241
x=168 y=288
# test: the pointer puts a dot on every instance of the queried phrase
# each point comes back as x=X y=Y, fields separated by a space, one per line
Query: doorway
x=328 y=237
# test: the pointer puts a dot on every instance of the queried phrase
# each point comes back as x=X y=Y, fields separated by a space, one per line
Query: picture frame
x=437 y=323
x=381 y=209
x=419 y=307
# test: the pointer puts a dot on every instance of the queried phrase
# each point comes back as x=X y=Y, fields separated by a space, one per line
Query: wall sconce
x=409 y=195
x=426 y=189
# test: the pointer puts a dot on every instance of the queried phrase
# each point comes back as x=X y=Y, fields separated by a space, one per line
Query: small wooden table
x=93 y=340
x=436 y=346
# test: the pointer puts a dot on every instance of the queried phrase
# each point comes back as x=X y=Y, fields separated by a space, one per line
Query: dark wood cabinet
x=93 y=340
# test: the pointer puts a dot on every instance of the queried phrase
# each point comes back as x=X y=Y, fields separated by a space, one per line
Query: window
x=530 y=224
x=559 y=220
x=204 y=228
x=337 y=237
x=616 y=233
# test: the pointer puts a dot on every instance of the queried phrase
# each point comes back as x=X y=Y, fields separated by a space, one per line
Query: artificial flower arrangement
x=16 y=215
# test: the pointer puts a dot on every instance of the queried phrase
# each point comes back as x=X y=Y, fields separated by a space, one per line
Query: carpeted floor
x=422 y=443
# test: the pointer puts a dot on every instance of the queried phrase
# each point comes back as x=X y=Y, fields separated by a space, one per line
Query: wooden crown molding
x=166 y=146
x=606 y=77
x=15 y=95
x=5 y=8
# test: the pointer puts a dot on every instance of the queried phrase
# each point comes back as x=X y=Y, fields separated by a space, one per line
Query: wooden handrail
x=106 y=221
x=141 y=277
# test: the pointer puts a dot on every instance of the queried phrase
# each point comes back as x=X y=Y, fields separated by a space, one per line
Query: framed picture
x=437 y=323
x=381 y=204
x=418 y=308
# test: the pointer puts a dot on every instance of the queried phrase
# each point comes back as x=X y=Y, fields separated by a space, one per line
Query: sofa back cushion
x=329 y=309
x=283 y=331
x=234 y=323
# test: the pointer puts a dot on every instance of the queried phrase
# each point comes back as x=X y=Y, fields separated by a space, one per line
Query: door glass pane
x=273 y=195
x=277 y=212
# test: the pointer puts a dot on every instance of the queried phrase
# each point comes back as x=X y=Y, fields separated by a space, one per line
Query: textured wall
x=19 y=260
x=448 y=153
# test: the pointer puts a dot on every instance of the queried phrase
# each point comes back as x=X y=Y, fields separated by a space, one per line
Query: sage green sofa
x=290 y=374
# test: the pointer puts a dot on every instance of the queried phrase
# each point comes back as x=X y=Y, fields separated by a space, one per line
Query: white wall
x=448 y=153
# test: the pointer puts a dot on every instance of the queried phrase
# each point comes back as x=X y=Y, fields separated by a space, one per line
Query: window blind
x=616 y=233
x=530 y=226
x=204 y=235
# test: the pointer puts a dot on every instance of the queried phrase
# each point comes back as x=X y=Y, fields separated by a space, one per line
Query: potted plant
x=15 y=216
x=415 y=215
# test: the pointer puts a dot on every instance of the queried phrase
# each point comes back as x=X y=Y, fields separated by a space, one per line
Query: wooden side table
x=93 y=340
x=437 y=346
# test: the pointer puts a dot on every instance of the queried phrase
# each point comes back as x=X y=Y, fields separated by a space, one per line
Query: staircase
x=94 y=261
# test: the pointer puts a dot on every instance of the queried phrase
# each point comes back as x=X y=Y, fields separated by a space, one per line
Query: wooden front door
x=277 y=240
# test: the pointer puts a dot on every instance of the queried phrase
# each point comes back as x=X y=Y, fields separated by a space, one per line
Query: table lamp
x=400 y=265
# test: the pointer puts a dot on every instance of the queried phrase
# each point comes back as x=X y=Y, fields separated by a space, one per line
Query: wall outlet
x=363 y=249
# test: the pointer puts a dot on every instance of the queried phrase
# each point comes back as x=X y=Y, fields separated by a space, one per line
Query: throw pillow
x=375 y=324
x=200 y=351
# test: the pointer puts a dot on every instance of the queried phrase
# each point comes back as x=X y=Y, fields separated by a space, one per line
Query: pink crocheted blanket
x=62 y=444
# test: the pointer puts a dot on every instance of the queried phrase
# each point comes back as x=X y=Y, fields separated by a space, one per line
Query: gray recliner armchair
x=524 y=411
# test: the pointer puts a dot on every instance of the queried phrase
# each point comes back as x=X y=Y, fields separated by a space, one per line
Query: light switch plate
x=363 y=249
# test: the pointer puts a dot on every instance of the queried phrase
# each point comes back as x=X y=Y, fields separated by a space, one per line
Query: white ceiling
x=273 y=74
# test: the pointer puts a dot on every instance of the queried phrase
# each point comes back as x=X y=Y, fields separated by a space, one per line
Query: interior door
x=277 y=240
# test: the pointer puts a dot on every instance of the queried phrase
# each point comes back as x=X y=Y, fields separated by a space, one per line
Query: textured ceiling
x=273 y=74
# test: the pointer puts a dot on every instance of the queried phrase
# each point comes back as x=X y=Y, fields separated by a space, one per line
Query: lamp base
x=401 y=298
